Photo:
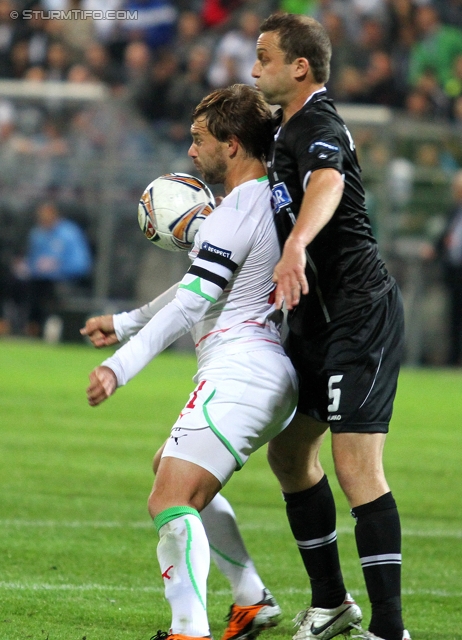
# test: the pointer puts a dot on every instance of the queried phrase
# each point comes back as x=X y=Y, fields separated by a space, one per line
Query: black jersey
x=344 y=269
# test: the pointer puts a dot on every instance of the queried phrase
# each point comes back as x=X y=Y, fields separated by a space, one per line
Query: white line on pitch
x=82 y=524
x=18 y=586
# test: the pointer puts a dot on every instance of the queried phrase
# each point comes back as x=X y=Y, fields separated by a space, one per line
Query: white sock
x=229 y=553
x=184 y=558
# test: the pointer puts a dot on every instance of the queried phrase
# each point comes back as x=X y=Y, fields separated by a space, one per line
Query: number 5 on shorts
x=334 y=394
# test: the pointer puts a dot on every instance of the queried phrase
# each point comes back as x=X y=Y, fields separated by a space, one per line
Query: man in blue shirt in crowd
x=58 y=251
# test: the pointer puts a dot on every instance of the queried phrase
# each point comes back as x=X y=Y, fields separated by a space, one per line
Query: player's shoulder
x=318 y=112
x=317 y=120
x=245 y=198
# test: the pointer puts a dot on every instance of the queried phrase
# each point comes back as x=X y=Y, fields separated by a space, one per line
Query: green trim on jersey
x=262 y=179
x=195 y=287
x=172 y=513
x=219 y=435
x=225 y=557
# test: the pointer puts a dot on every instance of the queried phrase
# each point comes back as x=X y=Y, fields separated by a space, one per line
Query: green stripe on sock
x=171 y=514
x=189 y=564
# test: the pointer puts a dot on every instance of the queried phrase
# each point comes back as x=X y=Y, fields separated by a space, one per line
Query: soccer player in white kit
x=246 y=389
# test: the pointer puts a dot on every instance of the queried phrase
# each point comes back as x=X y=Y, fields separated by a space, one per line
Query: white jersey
x=225 y=298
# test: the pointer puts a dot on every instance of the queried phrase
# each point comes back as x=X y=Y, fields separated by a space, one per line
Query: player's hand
x=100 y=330
x=289 y=275
x=103 y=383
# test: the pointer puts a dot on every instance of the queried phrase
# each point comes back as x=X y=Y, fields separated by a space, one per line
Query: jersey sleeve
x=170 y=323
x=220 y=249
x=128 y=323
x=316 y=145
x=222 y=244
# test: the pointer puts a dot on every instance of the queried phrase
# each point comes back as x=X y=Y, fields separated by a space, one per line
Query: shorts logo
x=180 y=435
x=324 y=145
x=331 y=418
x=221 y=252
x=280 y=196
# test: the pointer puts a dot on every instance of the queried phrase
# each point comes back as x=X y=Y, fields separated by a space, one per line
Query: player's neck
x=299 y=100
x=245 y=170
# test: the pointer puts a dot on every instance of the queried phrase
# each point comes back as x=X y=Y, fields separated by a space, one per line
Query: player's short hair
x=241 y=111
x=302 y=37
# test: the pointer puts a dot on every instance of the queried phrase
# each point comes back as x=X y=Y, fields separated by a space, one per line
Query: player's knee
x=282 y=466
x=153 y=507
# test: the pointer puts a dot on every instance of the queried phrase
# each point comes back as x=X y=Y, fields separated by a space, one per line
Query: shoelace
x=229 y=615
x=300 y=618
x=363 y=635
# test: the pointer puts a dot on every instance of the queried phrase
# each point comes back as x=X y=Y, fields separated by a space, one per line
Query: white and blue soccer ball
x=172 y=208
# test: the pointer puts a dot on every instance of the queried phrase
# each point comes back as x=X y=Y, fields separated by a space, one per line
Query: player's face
x=207 y=153
x=273 y=76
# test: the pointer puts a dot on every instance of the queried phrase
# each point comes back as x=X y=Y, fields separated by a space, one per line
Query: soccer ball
x=172 y=208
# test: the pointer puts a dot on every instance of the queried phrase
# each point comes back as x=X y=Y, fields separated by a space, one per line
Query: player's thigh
x=294 y=454
x=181 y=483
x=358 y=459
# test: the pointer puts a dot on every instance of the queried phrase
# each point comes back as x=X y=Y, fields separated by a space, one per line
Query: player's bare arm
x=103 y=383
x=100 y=330
x=321 y=199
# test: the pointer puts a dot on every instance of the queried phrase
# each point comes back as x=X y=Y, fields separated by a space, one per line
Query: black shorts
x=349 y=372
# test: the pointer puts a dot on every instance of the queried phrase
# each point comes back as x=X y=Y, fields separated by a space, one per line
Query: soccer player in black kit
x=345 y=340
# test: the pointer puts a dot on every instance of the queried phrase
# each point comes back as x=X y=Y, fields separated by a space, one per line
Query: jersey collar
x=315 y=93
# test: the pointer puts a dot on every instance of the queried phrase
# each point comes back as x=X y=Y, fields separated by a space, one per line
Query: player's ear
x=301 y=67
x=233 y=146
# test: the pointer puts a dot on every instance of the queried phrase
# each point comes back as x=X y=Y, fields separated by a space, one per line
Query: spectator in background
x=437 y=47
x=217 y=13
x=80 y=73
x=449 y=250
x=57 y=252
x=136 y=66
x=58 y=61
x=101 y=65
x=150 y=98
x=454 y=85
x=107 y=31
x=190 y=32
x=20 y=60
x=440 y=103
x=78 y=34
x=155 y=24
x=186 y=91
x=418 y=105
x=8 y=30
x=450 y=11
x=372 y=38
x=235 y=53
x=457 y=112
x=343 y=50
x=380 y=83
x=36 y=36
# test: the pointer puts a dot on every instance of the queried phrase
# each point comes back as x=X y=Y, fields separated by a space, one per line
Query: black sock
x=312 y=518
x=378 y=539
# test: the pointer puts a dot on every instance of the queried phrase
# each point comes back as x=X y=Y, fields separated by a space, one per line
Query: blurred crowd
x=405 y=54
x=158 y=58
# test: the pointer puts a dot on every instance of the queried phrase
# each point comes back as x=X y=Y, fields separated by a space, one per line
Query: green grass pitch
x=78 y=550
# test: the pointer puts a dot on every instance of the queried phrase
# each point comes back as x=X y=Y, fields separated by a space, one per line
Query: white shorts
x=241 y=402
